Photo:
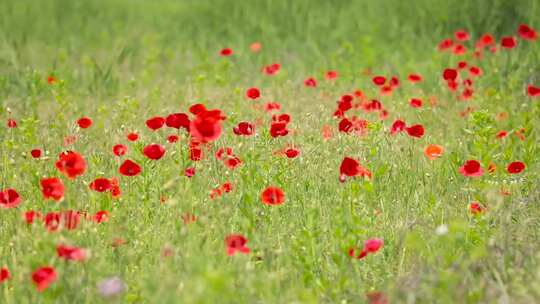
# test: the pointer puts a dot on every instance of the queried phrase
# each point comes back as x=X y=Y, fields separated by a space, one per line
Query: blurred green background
x=66 y=36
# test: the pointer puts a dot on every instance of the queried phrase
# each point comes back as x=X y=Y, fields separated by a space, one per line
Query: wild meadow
x=269 y=151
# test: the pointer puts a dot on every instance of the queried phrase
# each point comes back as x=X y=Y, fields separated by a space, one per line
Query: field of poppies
x=262 y=151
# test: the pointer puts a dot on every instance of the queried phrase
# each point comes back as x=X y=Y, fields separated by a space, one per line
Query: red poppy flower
x=383 y=115
x=345 y=125
x=415 y=131
x=351 y=167
x=119 y=149
x=471 y=168
x=226 y=52
x=533 y=91
x=244 y=128
x=116 y=192
x=370 y=246
x=177 y=121
x=4 y=274
x=30 y=216
x=445 y=44
x=129 y=168
x=501 y=134
x=227 y=187
x=232 y=162
x=36 y=153
x=215 y=193
x=331 y=75
x=485 y=40
x=132 y=136
x=154 y=151
x=52 y=221
x=272 y=69
x=310 y=82
x=172 y=138
x=71 y=253
x=195 y=152
x=253 y=93
x=475 y=71
x=475 y=208
x=84 y=122
x=71 y=219
x=291 y=152
x=278 y=128
x=373 y=245
x=222 y=152
x=379 y=80
x=272 y=106
x=452 y=85
x=51 y=79
x=9 y=198
x=415 y=103
x=466 y=94
x=358 y=126
x=515 y=167
x=459 y=49
x=155 y=123
x=206 y=126
x=71 y=164
x=101 y=217
x=52 y=188
x=394 y=82
x=526 y=32
x=236 y=243
x=508 y=42
x=11 y=123
x=272 y=196
x=414 y=78
x=255 y=47
x=286 y=118
x=373 y=105
x=43 y=277
x=101 y=185
x=449 y=74
x=189 y=172
x=197 y=109
x=397 y=126
x=344 y=105
x=339 y=113
x=461 y=35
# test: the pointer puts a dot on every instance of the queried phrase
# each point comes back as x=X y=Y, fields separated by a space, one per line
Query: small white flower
x=441 y=229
